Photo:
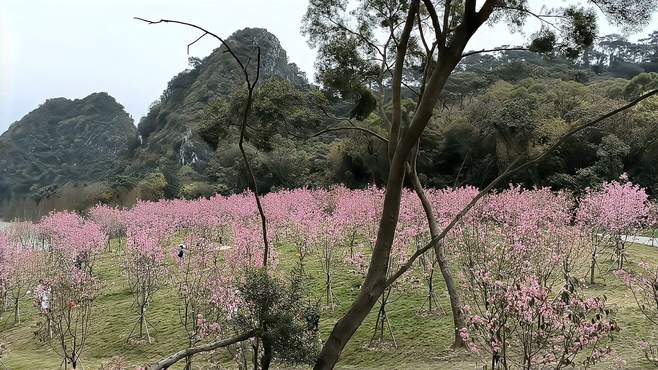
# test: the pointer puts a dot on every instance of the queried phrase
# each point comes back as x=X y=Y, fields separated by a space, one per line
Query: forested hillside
x=190 y=134
x=494 y=107
x=65 y=148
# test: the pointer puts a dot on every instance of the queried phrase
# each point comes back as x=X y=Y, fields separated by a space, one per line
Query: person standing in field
x=181 y=253
x=43 y=294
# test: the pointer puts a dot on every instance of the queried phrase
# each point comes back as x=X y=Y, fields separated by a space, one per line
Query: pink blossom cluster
x=523 y=322
x=643 y=283
x=617 y=208
x=27 y=234
x=72 y=235
x=110 y=220
x=518 y=232
x=19 y=267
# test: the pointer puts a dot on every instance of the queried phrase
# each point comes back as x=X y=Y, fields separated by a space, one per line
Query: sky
x=72 y=48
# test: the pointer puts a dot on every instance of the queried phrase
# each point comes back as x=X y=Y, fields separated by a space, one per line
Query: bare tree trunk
x=266 y=359
x=167 y=362
x=17 y=310
x=592 y=267
x=375 y=281
x=439 y=251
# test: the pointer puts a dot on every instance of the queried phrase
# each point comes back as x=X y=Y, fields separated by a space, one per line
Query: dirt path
x=641 y=240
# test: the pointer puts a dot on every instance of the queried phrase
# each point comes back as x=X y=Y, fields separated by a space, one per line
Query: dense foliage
x=65 y=147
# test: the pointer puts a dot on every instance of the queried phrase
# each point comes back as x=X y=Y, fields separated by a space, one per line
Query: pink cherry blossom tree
x=520 y=323
x=144 y=260
x=608 y=215
x=74 y=292
x=20 y=268
x=193 y=277
x=73 y=238
x=327 y=241
x=110 y=220
x=643 y=284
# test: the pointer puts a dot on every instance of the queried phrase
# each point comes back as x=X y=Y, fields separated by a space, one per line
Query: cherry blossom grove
x=520 y=255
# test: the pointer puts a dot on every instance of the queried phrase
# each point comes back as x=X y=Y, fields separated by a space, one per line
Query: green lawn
x=423 y=339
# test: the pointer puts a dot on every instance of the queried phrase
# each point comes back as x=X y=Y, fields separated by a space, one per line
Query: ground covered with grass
x=422 y=338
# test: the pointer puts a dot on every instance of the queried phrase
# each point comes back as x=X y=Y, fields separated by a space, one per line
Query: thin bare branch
x=228 y=48
x=540 y=17
x=469 y=53
x=195 y=41
x=354 y=128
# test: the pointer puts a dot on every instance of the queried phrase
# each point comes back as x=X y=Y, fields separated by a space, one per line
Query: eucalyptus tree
x=407 y=49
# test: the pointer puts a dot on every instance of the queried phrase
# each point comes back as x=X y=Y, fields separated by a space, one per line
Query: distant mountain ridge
x=65 y=142
x=169 y=130
x=75 y=153
x=75 y=143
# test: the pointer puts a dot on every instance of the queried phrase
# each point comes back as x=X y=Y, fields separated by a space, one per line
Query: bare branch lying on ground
x=167 y=362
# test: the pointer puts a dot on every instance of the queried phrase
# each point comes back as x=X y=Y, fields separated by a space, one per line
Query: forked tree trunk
x=375 y=281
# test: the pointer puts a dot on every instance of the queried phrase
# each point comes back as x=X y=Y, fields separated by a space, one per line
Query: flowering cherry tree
x=327 y=241
x=144 y=260
x=73 y=238
x=521 y=324
x=643 y=284
x=19 y=271
x=110 y=220
x=74 y=292
x=609 y=214
x=305 y=217
x=518 y=251
x=193 y=277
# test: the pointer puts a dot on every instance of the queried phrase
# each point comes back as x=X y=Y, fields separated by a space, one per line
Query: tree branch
x=228 y=48
x=194 y=42
x=397 y=78
x=355 y=128
x=540 y=17
x=446 y=24
x=469 y=53
x=167 y=362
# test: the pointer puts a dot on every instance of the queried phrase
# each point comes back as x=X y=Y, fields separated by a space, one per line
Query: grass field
x=422 y=339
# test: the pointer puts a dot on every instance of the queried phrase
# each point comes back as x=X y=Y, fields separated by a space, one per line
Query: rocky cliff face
x=65 y=142
x=169 y=133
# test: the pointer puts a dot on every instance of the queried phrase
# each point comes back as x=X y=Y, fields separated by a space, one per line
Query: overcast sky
x=71 y=48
